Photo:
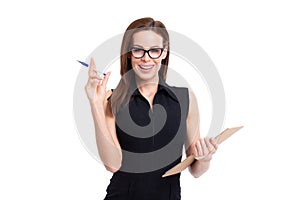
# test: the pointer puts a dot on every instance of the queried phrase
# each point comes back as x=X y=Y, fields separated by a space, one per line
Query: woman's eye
x=138 y=50
x=155 y=50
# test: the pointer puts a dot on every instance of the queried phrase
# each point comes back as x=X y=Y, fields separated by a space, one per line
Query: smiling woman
x=141 y=34
x=144 y=115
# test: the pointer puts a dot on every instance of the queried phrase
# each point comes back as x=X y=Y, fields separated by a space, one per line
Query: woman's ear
x=165 y=53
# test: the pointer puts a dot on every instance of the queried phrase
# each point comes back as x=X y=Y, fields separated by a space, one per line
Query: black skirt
x=143 y=186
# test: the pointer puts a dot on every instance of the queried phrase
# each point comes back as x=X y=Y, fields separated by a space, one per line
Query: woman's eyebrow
x=140 y=46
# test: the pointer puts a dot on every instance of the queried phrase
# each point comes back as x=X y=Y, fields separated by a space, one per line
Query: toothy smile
x=147 y=67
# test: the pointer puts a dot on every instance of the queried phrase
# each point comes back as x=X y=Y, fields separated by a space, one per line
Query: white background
x=255 y=46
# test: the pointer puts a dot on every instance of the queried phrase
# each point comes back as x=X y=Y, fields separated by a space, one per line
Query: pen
x=87 y=65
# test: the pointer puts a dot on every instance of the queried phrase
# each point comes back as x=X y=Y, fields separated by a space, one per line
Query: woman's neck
x=148 y=88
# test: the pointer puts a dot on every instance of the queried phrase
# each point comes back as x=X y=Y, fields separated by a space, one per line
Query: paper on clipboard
x=190 y=159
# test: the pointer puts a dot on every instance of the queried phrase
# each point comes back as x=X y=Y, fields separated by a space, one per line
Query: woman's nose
x=146 y=57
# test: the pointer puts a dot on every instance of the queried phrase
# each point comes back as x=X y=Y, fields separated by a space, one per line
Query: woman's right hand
x=96 y=85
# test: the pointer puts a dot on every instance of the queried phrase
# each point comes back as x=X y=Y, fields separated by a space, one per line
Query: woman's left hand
x=205 y=148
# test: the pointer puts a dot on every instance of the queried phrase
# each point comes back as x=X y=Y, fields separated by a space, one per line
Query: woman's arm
x=199 y=147
x=107 y=143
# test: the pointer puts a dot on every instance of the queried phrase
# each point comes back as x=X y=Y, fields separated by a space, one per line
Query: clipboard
x=190 y=159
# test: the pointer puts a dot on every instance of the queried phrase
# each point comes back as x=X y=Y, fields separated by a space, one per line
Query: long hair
x=120 y=94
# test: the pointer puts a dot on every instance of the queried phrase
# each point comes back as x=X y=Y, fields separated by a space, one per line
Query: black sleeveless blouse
x=152 y=142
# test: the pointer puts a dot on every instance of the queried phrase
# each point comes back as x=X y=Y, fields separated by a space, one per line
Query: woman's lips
x=146 y=67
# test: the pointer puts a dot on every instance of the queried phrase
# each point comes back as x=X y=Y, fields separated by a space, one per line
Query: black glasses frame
x=146 y=51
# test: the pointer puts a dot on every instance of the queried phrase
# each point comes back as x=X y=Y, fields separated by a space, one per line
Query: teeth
x=146 y=67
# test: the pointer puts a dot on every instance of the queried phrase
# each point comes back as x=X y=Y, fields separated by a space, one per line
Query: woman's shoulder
x=179 y=90
x=174 y=87
x=182 y=95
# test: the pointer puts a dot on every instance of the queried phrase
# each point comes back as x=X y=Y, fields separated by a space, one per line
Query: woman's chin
x=146 y=77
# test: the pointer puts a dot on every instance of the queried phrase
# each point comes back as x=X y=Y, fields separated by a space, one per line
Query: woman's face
x=146 y=68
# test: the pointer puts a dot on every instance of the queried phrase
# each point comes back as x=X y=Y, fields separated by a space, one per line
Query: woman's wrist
x=199 y=167
x=96 y=105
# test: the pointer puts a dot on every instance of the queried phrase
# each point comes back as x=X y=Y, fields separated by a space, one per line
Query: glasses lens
x=155 y=53
x=137 y=53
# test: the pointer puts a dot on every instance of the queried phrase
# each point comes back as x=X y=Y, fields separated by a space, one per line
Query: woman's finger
x=209 y=146
x=95 y=75
x=92 y=70
x=105 y=78
x=204 y=147
x=198 y=149
x=92 y=83
x=213 y=141
x=92 y=67
x=199 y=153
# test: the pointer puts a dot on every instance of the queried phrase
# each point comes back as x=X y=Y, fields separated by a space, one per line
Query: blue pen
x=87 y=65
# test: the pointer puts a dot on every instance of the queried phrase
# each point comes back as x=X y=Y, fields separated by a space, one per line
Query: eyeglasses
x=152 y=53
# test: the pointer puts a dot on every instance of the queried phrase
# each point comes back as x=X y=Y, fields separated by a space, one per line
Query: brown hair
x=121 y=92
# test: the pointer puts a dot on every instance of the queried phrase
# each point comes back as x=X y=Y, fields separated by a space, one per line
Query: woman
x=142 y=125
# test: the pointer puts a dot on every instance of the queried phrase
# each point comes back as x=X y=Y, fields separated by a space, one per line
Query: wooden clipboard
x=190 y=159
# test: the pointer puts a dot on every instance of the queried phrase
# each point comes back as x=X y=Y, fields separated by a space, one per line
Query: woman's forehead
x=147 y=39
